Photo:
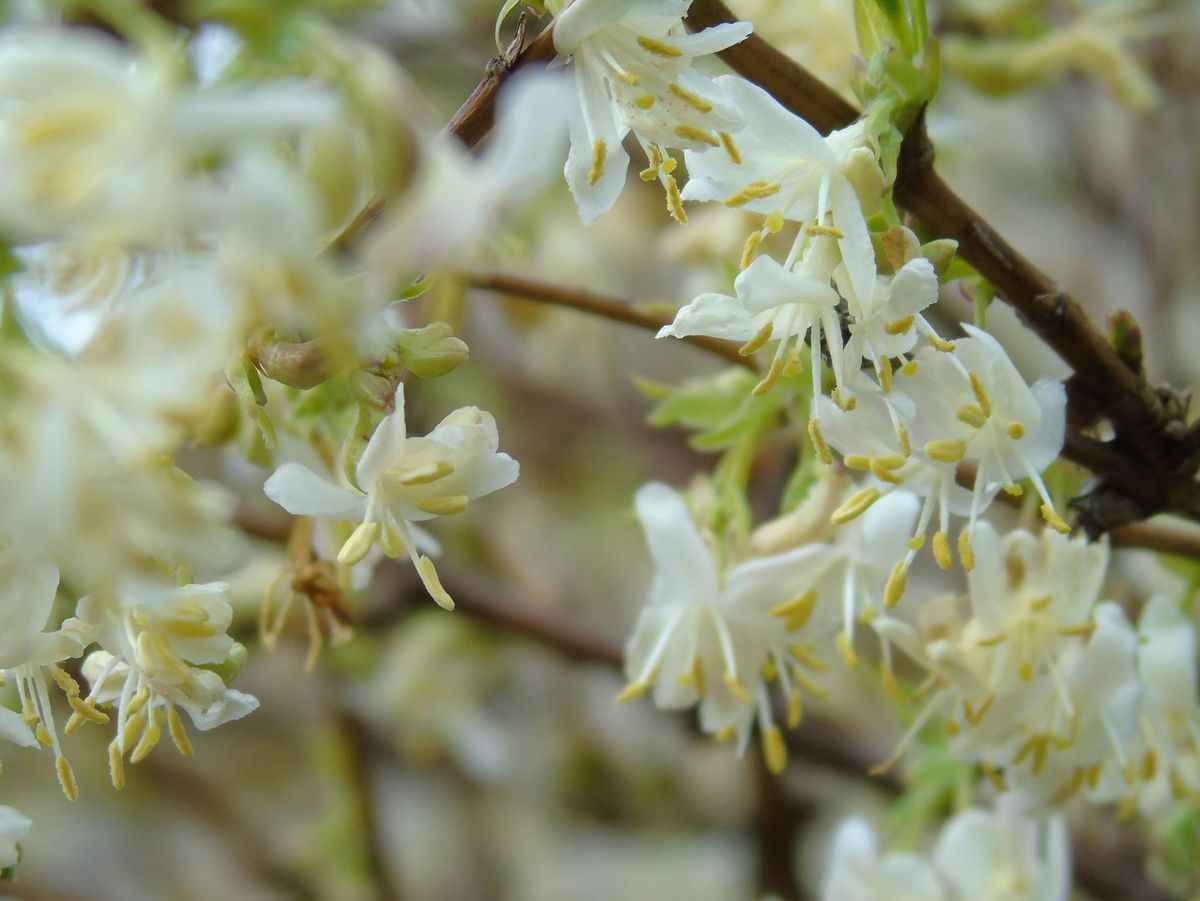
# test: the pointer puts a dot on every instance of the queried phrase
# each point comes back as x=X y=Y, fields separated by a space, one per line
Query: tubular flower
x=632 y=62
x=97 y=143
x=403 y=481
x=773 y=302
x=28 y=654
x=787 y=171
x=160 y=647
x=720 y=640
x=965 y=403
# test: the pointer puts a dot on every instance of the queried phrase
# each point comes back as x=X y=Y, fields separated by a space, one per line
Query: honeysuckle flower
x=14 y=829
x=160 y=649
x=973 y=405
x=1165 y=751
x=402 y=481
x=1031 y=595
x=1003 y=855
x=28 y=654
x=632 y=64
x=97 y=143
x=857 y=871
x=962 y=403
x=67 y=289
x=706 y=636
x=789 y=172
x=774 y=302
x=887 y=323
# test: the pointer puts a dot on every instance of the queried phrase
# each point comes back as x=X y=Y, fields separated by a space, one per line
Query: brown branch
x=475 y=117
x=599 y=305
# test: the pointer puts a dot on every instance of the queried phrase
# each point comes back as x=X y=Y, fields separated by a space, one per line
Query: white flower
x=857 y=872
x=160 y=648
x=1002 y=855
x=973 y=405
x=773 y=302
x=1031 y=596
x=706 y=636
x=97 y=143
x=632 y=62
x=787 y=170
x=887 y=323
x=69 y=288
x=962 y=403
x=27 y=654
x=403 y=481
x=14 y=829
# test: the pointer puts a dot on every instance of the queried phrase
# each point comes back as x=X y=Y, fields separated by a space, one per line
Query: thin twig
x=599 y=305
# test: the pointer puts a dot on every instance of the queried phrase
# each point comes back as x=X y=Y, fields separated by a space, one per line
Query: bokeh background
x=468 y=756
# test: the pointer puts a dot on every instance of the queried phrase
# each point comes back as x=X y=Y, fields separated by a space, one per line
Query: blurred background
x=480 y=754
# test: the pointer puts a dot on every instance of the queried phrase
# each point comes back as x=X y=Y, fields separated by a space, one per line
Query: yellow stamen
x=631 y=691
x=972 y=415
x=858 y=504
x=910 y=368
x=818 y=440
x=981 y=394
x=774 y=750
x=66 y=778
x=444 y=506
x=731 y=150
x=1014 y=490
x=178 y=733
x=896 y=583
x=916 y=542
x=884 y=474
x=358 y=544
x=993 y=774
x=824 y=231
x=774 y=223
x=695 y=101
x=692 y=133
x=749 y=248
x=756 y=190
x=599 y=154
x=885 y=376
x=1025 y=671
x=735 y=687
x=797 y=611
x=756 y=343
x=941 y=343
x=1016 y=430
x=423 y=473
x=1055 y=521
x=725 y=734
x=674 y=199
x=966 y=553
x=429 y=576
x=644 y=102
x=150 y=736
x=900 y=326
x=1081 y=630
x=941 y=550
x=116 y=766
x=660 y=48
x=857 y=461
x=795 y=710
x=846 y=649
x=946 y=450
x=772 y=376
